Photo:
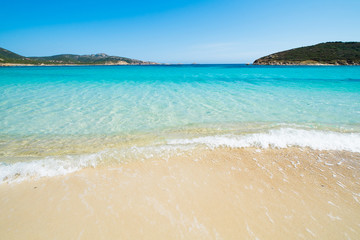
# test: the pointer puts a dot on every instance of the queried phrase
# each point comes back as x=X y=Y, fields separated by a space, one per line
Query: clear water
x=117 y=100
x=57 y=111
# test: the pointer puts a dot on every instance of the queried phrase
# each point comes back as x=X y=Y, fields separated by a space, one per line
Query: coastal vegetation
x=8 y=58
x=330 y=53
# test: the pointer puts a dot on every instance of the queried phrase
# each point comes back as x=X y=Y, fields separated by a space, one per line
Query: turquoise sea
x=56 y=120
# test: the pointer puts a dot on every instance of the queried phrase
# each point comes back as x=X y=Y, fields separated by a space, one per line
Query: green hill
x=9 y=58
x=334 y=53
x=6 y=54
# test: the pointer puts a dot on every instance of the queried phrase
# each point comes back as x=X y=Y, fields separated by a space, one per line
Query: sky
x=170 y=31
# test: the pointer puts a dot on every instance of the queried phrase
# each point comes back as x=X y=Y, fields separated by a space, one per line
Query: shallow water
x=126 y=99
x=76 y=115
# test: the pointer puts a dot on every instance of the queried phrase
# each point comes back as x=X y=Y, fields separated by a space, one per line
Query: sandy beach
x=223 y=193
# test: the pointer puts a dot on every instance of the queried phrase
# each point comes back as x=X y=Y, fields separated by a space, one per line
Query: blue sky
x=169 y=31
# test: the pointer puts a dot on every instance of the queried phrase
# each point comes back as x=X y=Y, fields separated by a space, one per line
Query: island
x=329 y=53
x=8 y=58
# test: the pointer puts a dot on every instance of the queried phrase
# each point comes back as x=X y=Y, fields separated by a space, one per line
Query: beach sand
x=219 y=193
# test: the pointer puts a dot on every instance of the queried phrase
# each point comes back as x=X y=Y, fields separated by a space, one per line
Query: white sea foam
x=282 y=138
x=54 y=166
x=277 y=138
x=47 y=167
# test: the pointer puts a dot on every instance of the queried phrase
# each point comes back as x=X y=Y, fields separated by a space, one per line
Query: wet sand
x=222 y=193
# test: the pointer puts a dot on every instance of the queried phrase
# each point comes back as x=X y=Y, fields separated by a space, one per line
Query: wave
x=275 y=138
x=47 y=167
x=282 y=138
x=62 y=165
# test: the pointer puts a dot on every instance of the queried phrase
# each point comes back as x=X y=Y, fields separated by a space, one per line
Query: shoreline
x=302 y=64
x=214 y=152
x=59 y=65
x=221 y=193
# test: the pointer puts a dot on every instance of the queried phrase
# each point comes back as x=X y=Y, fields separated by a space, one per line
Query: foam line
x=282 y=138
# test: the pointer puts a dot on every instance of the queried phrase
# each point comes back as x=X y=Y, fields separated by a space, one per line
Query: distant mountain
x=333 y=53
x=8 y=58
